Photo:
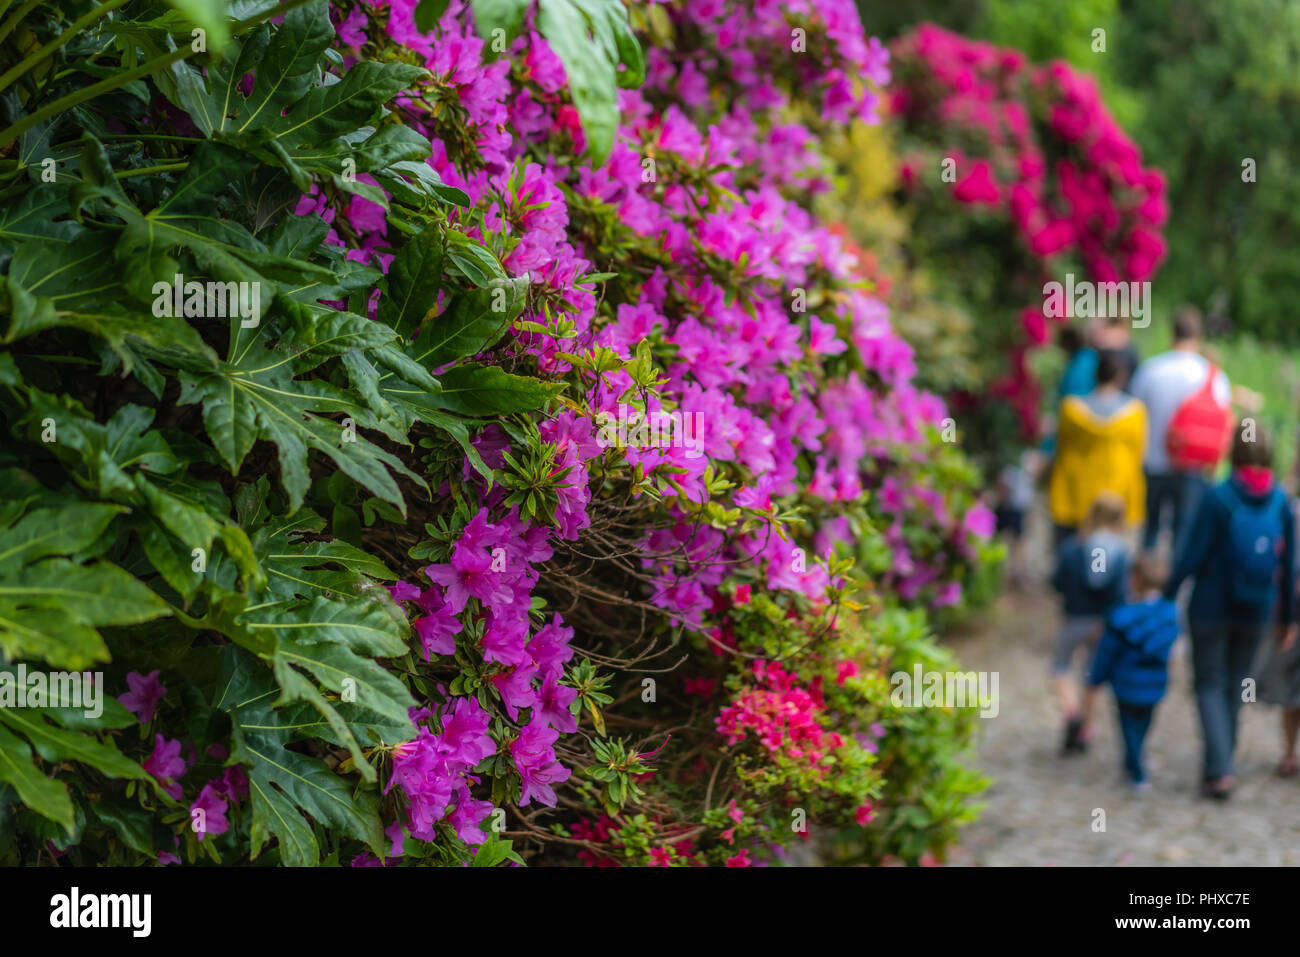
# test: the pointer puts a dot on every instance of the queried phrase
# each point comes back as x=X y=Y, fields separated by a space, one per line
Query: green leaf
x=290 y=66
x=214 y=102
x=211 y=16
x=50 y=607
x=506 y=15
x=255 y=395
x=43 y=795
x=51 y=610
x=338 y=108
x=368 y=627
x=410 y=290
x=494 y=851
x=132 y=824
x=284 y=784
x=398 y=177
x=473 y=389
x=592 y=64
x=36 y=214
x=54 y=531
x=469 y=324
x=56 y=744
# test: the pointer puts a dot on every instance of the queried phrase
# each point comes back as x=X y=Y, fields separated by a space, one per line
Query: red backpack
x=1198 y=433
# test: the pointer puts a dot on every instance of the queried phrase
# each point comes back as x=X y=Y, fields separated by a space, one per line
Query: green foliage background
x=1200 y=85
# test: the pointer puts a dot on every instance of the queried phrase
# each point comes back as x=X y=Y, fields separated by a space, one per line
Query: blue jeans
x=1181 y=492
x=1222 y=655
x=1134 y=723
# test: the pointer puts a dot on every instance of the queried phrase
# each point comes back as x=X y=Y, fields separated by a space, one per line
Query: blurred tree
x=1221 y=85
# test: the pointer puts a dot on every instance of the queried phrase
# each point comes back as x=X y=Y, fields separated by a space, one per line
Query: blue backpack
x=1253 y=533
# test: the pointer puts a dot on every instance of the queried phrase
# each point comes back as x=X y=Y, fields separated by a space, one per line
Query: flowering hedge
x=394 y=572
x=1044 y=183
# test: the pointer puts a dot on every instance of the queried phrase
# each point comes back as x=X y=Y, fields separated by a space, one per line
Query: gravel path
x=1041 y=807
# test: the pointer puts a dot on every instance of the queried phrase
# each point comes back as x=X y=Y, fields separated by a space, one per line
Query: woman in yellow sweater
x=1099 y=444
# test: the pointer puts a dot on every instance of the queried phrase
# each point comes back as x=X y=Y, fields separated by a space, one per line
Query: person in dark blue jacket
x=1239 y=548
x=1133 y=657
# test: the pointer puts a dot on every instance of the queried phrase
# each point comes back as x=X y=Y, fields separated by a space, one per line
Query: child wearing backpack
x=1133 y=657
x=1090 y=575
x=1239 y=548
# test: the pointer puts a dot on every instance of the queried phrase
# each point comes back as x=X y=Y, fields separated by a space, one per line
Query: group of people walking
x=1136 y=444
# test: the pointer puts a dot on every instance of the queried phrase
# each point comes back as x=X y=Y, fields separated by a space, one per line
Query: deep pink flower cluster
x=1036 y=145
x=783 y=716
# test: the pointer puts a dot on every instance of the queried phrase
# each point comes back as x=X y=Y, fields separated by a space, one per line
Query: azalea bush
x=550 y=487
x=1041 y=182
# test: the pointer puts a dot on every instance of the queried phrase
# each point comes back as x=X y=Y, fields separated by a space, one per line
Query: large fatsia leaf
x=255 y=395
x=190 y=218
x=327 y=642
x=36 y=214
x=300 y=567
x=58 y=744
x=472 y=321
x=283 y=784
x=319 y=623
x=290 y=67
x=52 y=606
x=69 y=738
x=330 y=110
x=292 y=103
x=126 y=461
x=75 y=284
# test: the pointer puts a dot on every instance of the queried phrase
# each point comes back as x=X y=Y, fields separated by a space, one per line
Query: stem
x=152 y=136
x=8 y=26
x=146 y=170
x=97 y=13
x=89 y=93
x=10 y=134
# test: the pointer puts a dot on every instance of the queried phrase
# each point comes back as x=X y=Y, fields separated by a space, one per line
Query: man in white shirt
x=1164 y=383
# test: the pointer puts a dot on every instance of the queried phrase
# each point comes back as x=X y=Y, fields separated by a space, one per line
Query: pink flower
x=437 y=631
x=537 y=764
x=977 y=186
x=208 y=812
x=661 y=857
x=166 y=765
x=146 y=691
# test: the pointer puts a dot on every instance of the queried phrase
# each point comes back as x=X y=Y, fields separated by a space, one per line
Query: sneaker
x=1218 y=789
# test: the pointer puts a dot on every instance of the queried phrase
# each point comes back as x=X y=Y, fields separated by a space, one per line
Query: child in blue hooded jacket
x=1133 y=657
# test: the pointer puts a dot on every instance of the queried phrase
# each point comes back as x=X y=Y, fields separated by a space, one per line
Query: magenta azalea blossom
x=146 y=691
x=538 y=767
x=208 y=812
x=166 y=765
